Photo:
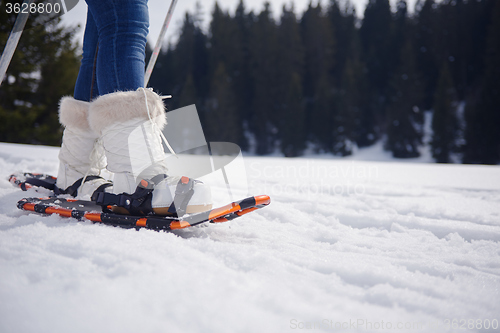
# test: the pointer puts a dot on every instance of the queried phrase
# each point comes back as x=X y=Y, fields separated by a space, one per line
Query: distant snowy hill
x=346 y=245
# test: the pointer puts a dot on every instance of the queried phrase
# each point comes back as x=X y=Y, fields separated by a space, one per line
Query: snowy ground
x=344 y=246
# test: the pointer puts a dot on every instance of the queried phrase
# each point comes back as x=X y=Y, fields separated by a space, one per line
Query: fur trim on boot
x=74 y=113
x=126 y=105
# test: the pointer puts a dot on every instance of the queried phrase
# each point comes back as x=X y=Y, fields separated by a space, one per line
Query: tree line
x=327 y=81
x=323 y=80
x=43 y=69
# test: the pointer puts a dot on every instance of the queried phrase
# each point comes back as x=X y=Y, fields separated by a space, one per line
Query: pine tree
x=263 y=53
x=399 y=35
x=222 y=46
x=183 y=58
x=291 y=123
x=483 y=118
x=164 y=78
x=243 y=80
x=425 y=36
x=191 y=65
x=223 y=123
x=351 y=99
x=347 y=115
x=43 y=69
x=375 y=35
x=348 y=78
x=188 y=95
x=319 y=44
x=476 y=19
x=444 y=121
x=343 y=23
x=292 y=133
x=58 y=77
x=404 y=134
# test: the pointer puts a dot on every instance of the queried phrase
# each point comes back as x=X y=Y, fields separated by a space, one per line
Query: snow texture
x=346 y=245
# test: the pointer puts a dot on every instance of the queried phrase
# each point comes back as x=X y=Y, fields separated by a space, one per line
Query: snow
x=346 y=245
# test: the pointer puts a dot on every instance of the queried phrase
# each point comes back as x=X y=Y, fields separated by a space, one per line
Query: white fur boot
x=129 y=124
x=79 y=158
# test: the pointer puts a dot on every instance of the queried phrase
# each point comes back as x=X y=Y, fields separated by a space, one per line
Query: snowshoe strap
x=48 y=183
x=183 y=193
x=73 y=189
x=138 y=202
x=27 y=180
x=102 y=188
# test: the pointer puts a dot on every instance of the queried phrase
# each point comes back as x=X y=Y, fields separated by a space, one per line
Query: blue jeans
x=114 y=47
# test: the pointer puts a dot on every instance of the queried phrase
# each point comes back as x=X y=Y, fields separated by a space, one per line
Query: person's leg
x=77 y=148
x=113 y=57
x=78 y=139
x=122 y=28
x=129 y=118
x=129 y=124
x=86 y=86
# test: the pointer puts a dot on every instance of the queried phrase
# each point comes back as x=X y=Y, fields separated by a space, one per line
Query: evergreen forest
x=327 y=80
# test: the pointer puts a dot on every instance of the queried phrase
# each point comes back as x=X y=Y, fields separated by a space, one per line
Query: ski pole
x=13 y=40
x=156 y=51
